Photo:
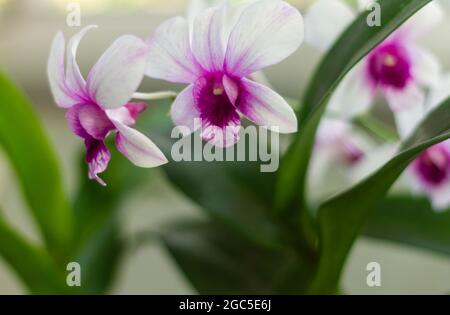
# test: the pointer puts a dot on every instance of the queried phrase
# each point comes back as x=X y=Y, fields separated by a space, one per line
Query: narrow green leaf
x=356 y=42
x=33 y=265
x=412 y=221
x=26 y=145
x=216 y=261
x=343 y=217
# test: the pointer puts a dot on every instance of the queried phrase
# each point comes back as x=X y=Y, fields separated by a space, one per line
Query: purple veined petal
x=73 y=118
x=222 y=137
x=118 y=73
x=265 y=107
x=325 y=21
x=266 y=32
x=94 y=121
x=74 y=77
x=354 y=95
x=422 y=22
x=137 y=148
x=408 y=97
x=171 y=57
x=195 y=7
x=56 y=74
x=208 y=38
x=184 y=111
x=97 y=157
x=425 y=67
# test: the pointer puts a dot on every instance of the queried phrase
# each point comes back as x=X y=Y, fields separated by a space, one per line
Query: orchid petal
x=440 y=197
x=184 y=111
x=439 y=92
x=265 y=107
x=222 y=137
x=408 y=97
x=354 y=95
x=137 y=148
x=97 y=157
x=94 y=121
x=325 y=21
x=208 y=41
x=73 y=75
x=118 y=73
x=423 y=21
x=408 y=119
x=56 y=76
x=425 y=66
x=266 y=32
x=171 y=55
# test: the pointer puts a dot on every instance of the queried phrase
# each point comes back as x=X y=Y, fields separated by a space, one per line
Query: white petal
x=118 y=72
x=266 y=108
x=267 y=32
x=325 y=21
x=136 y=147
x=183 y=111
x=208 y=41
x=439 y=92
x=73 y=75
x=408 y=97
x=171 y=58
x=425 y=66
x=56 y=76
x=364 y=4
x=354 y=95
x=423 y=21
x=408 y=119
x=440 y=198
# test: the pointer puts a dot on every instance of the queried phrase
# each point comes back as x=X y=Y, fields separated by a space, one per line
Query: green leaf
x=343 y=217
x=412 y=221
x=32 y=158
x=356 y=42
x=33 y=265
x=216 y=261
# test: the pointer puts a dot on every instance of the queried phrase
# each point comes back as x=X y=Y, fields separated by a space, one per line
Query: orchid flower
x=430 y=172
x=215 y=55
x=397 y=68
x=339 y=151
x=101 y=104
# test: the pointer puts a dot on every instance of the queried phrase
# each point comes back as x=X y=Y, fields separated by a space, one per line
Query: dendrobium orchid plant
x=216 y=56
x=101 y=104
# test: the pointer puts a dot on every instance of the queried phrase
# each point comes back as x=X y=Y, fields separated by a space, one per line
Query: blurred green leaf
x=343 y=217
x=412 y=221
x=32 y=264
x=216 y=261
x=32 y=158
x=356 y=42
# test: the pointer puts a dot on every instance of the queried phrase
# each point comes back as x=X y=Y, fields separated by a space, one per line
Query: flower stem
x=155 y=96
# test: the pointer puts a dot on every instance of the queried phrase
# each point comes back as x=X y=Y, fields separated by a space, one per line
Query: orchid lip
x=433 y=166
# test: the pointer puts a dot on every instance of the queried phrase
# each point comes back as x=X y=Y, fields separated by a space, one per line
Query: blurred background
x=26 y=30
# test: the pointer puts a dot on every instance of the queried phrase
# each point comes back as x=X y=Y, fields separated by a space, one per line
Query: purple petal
x=94 y=121
x=224 y=136
x=97 y=157
x=118 y=73
x=265 y=107
x=127 y=114
x=208 y=38
x=171 y=56
x=267 y=32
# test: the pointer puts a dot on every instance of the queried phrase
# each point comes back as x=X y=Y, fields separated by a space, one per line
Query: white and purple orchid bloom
x=216 y=54
x=101 y=104
x=398 y=68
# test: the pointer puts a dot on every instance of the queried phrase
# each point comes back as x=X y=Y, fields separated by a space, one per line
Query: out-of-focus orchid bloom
x=100 y=105
x=397 y=68
x=216 y=55
x=339 y=151
x=430 y=172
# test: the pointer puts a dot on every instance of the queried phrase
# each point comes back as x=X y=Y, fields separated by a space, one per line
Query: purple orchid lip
x=100 y=105
x=390 y=65
x=433 y=166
